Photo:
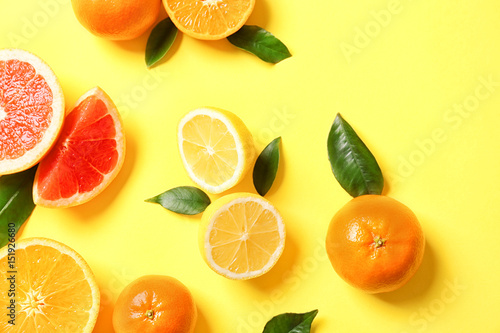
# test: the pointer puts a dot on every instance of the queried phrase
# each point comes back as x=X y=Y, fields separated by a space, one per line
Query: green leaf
x=266 y=167
x=16 y=202
x=354 y=166
x=291 y=323
x=187 y=200
x=160 y=40
x=260 y=42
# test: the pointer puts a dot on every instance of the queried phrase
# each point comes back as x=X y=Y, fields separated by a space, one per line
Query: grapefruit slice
x=55 y=289
x=31 y=110
x=87 y=156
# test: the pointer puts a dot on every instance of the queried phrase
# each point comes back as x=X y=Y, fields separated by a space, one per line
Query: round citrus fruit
x=31 y=110
x=242 y=236
x=155 y=304
x=209 y=19
x=117 y=19
x=53 y=288
x=375 y=243
x=86 y=157
x=216 y=148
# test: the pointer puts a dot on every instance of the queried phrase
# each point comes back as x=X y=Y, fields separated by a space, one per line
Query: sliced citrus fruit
x=242 y=236
x=216 y=148
x=87 y=156
x=209 y=19
x=53 y=288
x=31 y=110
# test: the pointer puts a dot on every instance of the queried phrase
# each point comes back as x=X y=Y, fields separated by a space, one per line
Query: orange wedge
x=53 y=288
x=209 y=19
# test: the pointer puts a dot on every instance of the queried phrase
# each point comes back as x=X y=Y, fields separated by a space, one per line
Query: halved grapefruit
x=31 y=110
x=87 y=156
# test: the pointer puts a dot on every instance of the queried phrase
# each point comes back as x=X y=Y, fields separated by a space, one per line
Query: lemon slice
x=55 y=290
x=242 y=236
x=216 y=148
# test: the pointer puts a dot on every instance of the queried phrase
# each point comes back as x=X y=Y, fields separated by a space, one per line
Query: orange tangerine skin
x=155 y=304
x=375 y=243
x=117 y=19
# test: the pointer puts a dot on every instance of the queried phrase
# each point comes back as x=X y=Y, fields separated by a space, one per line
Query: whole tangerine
x=375 y=243
x=117 y=19
x=155 y=304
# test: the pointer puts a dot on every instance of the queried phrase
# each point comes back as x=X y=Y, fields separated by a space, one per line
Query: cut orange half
x=87 y=156
x=31 y=110
x=209 y=19
x=51 y=286
x=242 y=236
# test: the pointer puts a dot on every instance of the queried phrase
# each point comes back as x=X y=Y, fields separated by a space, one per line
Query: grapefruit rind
x=81 y=198
x=33 y=156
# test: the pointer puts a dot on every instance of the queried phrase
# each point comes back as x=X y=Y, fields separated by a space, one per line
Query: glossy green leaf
x=16 y=202
x=291 y=323
x=160 y=40
x=260 y=42
x=266 y=167
x=354 y=166
x=187 y=200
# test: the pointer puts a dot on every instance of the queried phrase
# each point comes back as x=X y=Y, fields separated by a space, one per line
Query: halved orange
x=209 y=19
x=87 y=156
x=51 y=286
x=31 y=110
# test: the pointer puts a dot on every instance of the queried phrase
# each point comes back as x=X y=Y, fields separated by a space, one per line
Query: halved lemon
x=242 y=236
x=53 y=288
x=216 y=148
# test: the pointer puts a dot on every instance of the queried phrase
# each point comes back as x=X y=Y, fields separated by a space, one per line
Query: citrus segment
x=242 y=236
x=87 y=156
x=375 y=243
x=55 y=288
x=216 y=148
x=31 y=110
x=209 y=19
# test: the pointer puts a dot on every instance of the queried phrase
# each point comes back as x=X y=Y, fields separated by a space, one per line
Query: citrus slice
x=209 y=19
x=87 y=156
x=216 y=148
x=242 y=236
x=53 y=288
x=31 y=110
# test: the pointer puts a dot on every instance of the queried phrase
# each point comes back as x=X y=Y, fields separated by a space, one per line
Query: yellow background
x=400 y=81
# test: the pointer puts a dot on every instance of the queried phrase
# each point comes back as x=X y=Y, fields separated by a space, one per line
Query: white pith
x=272 y=260
x=238 y=171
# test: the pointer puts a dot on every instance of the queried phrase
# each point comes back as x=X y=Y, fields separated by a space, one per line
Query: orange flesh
x=41 y=301
x=210 y=17
x=25 y=108
x=76 y=163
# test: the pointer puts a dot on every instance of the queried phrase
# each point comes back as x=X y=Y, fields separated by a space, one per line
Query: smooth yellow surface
x=422 y=90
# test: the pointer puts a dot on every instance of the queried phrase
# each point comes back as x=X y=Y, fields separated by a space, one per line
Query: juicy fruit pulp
x=216 y=148
x=209 y=19
x=55 y=289
x=155 y=303
x=242 y=236
x=375 y=243
x=31 y=110
x=86 y=157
